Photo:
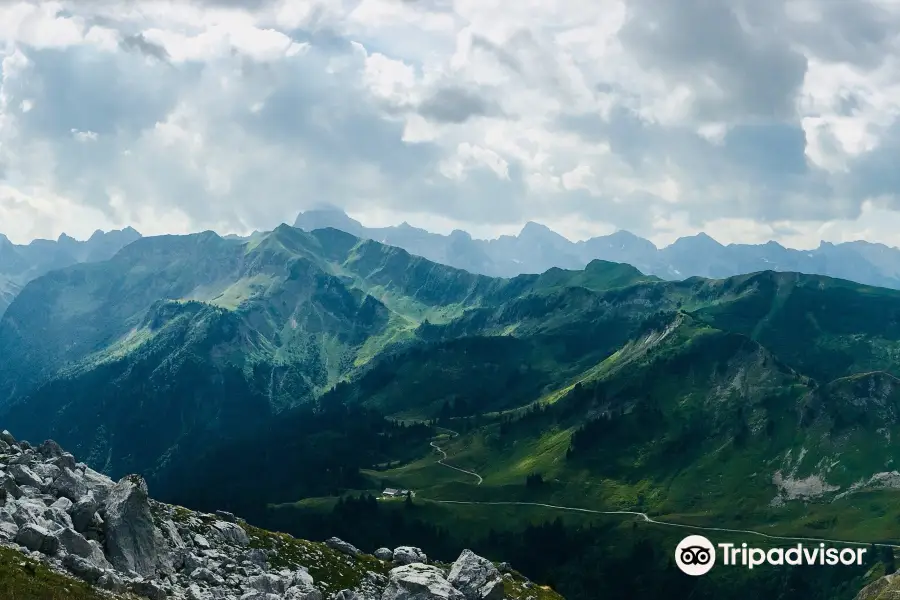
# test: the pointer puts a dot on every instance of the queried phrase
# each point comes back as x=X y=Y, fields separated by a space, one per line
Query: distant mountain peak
x=328 y=216
x=699 y=239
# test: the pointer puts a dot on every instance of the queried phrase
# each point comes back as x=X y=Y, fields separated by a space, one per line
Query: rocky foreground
x=67 y=522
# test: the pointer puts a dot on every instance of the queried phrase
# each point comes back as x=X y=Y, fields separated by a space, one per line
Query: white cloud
x=753 y=120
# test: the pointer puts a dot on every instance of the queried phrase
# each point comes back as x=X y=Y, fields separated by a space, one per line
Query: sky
x=748 y=119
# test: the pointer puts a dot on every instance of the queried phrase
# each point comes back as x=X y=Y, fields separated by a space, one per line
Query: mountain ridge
x=538 y=248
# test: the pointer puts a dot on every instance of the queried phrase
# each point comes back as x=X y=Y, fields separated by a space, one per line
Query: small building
x=395 y=493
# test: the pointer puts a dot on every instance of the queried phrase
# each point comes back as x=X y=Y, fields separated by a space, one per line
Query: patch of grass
x=22 y=578
x=332 y=571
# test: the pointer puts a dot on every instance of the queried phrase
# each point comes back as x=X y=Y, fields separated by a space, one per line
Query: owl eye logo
x=695 y=555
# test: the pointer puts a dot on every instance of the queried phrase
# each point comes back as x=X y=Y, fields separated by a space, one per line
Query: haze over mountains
x=538 y=248
x=19 y=264
x=535 y=249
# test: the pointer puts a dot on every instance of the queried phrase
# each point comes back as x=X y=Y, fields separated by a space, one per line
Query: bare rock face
x=476 y=577
x=114 y=537
x=133 y=543
x=406 y=555
x=417 y=581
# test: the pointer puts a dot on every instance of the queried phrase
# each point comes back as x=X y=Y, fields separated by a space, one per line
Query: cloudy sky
x=749 y=119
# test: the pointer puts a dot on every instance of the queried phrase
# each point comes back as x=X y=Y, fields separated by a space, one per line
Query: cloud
x=769 y=118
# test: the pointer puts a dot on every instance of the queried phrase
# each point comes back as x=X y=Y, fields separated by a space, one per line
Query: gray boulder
x=269 y=583
x=83 y=510
x=342 y=546
x=476 y=577
x=132 y=540
x=111 y=581
x=207 y=576
x=8 y=530
x=76 y=544
x=260 y=596
x=231 y=533
x=418 y=581
x=303 y=593
x=37 y=539
x=63 y=504
x=9 y=487
x=195 y=593
x=27 y=510
x=50 y=449
x=8 y=438
x=100 y=485
x=25 y=476
x=65 y=461
x=384 y=554
x=149 y=589
x=46 y=471
x=226 y=516
x=82 y=568
x=406 y=555
x=69 y=484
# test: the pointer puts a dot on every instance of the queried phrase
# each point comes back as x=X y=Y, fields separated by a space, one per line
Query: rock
x=231 y=533
x=26 y=458
x=342 y=546
x=65 y=461
x=384 y=554
x=260 y=596
x=111 y=581
x=10 y=488
x=8 y=531
x=58 y=518
x=192 y=562
x=63 y=504
x=505 y=567
x=405 y=555
x=303 y=593
x=69 y=484
x=8 y=438
x=201 y=542
x=37 y=539
x=301 y=578
x=46 y=471
x=74 y=543
x=347 y=595
x=204 y=574
x=171 y=532
x=418 y=581
x=272 y=584
x=4 y=447
x=149 y=589
x=50 y=449
x=226 y=516
x=476 y=577
x=195 y=593
x=83 y=510
x=25 y=476
x=132 y=540
x=258 y=557
x=99 y=484
x=82 y=568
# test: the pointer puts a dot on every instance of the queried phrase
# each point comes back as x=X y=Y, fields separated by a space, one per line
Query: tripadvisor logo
x=696 y=555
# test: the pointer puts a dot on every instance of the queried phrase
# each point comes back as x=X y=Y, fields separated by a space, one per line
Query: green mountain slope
x=320 y=363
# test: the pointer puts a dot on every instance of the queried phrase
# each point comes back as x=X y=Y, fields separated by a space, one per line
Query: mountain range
x=19 y=264
x=279 y=375
x=537 y=248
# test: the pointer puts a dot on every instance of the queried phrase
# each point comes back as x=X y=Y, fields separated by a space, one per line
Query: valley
x=292 y=375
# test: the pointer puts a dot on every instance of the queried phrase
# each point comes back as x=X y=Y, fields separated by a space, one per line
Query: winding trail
x=444 y=457
x=642 y=516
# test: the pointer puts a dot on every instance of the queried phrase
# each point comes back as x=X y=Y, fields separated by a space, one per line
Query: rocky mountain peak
x=81 y=524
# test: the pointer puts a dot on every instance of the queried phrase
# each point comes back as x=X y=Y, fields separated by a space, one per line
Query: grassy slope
x=22 y=578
